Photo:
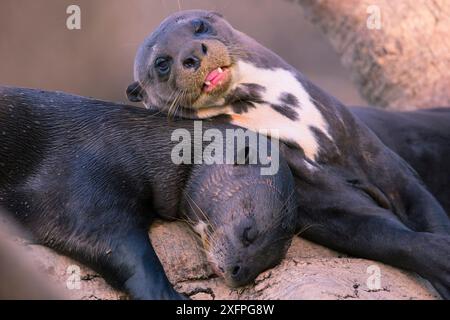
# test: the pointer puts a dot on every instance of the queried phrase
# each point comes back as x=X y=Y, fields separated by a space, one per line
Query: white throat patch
x=264 y=118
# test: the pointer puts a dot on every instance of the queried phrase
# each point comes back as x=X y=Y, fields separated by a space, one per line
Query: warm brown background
x=37 y=50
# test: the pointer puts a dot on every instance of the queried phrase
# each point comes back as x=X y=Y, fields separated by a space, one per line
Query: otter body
x=356 y=194
x=420 y=137
x=88 y=177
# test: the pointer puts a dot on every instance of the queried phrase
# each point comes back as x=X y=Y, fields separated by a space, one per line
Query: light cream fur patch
x=264 y=117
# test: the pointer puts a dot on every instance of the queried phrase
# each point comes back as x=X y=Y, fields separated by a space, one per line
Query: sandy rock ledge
x=309 y=271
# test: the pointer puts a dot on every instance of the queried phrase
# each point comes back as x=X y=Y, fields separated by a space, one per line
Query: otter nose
x=192 y=62
x=192 y=57
x=236 y=272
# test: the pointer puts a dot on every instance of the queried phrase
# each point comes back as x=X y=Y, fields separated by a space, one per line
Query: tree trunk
x=401 y=61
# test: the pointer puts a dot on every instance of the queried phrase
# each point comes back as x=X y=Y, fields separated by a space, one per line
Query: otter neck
x=276 y=101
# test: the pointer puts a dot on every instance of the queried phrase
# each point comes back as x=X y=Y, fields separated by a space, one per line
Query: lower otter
x=88 y=177
x=359 y=195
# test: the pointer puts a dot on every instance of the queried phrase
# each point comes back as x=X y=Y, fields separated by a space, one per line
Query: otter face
x=187 y=61
x=197 y=66
x=246 y=221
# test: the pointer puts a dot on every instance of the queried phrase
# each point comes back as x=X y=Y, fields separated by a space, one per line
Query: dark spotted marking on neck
x=286 y=111
x=328 y=151
x=245 y=97
x=289 y=99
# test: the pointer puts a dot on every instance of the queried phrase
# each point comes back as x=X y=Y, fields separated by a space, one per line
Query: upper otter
x=195 y=64
x=359 y=195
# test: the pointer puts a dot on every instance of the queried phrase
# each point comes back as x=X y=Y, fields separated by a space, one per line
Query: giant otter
x=356 y=194
x=88 y=177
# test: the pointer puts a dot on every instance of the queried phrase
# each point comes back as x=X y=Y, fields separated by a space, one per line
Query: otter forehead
x=182 y=16
x=171 y=35
x=176 y=23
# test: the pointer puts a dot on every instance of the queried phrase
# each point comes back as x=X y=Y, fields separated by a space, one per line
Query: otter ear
x=135 y=92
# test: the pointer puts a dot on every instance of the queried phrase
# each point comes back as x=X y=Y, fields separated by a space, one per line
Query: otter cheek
x=188 y=80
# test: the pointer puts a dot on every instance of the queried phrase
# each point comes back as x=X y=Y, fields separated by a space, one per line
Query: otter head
x=246 y=221
x=191 y=62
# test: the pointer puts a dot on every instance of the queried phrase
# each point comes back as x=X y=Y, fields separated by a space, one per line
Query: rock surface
x=309 y=271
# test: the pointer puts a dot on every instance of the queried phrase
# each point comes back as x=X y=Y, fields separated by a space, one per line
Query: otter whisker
x=183 y=220
x=165 y=108
x=183 y=97
x=237 y=55
x=278 y=240
x=174 y=102
x=237 y=50
x=203 y=240
x=207 y=236
x=199 y=209
x=308 y=227
x=279 y=216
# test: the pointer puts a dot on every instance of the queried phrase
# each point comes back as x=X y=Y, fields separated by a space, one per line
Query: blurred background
x=37 y=50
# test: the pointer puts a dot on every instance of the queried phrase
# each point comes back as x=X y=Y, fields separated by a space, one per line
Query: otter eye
x=200 y=27
x=249 y=235
x=162 y=65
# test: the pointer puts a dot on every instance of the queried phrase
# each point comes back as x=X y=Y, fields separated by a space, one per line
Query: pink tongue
x=214 y=77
